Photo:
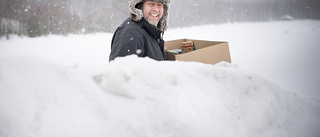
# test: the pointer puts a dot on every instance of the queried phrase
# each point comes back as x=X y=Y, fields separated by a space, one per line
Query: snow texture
x=64 y=86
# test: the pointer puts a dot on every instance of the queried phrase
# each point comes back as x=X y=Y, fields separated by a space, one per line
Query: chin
x=153 y=23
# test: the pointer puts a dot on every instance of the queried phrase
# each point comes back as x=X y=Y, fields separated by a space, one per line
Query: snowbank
x=136 y=97
x=285 y=53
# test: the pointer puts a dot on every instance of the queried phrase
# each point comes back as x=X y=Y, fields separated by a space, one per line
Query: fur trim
x=136 y=14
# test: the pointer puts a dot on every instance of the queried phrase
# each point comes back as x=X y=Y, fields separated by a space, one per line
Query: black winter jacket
x=140 y=38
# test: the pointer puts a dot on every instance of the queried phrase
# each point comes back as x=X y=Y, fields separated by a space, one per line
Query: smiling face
x=152 y=12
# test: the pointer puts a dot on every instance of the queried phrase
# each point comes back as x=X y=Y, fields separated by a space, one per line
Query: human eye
x=160 y=5
x=152 y=4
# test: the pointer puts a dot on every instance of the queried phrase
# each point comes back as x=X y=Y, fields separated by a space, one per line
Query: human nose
x=156 y=8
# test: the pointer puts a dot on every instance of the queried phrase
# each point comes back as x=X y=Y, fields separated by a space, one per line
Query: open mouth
x=154 y=15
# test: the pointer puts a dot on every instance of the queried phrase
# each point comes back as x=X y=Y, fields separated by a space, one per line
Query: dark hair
x=139 y=5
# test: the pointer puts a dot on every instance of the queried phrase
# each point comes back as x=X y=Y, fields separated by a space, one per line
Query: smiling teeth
x=154 y=15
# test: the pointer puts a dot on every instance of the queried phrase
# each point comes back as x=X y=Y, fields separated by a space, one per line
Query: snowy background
x=35 y=18
x=64 y=86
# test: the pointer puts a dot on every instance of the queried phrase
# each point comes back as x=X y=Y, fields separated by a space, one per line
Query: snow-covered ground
x=64 y=86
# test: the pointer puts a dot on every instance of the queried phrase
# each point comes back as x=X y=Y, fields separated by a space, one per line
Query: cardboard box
x=209 y=52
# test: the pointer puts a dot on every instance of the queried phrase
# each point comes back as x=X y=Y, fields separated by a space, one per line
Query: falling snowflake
x=138 y=51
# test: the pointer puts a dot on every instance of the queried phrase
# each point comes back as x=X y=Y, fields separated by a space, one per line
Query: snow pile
x=64 y=86
x=136 y=97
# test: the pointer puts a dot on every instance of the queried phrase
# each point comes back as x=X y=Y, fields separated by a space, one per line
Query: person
x=142 y=32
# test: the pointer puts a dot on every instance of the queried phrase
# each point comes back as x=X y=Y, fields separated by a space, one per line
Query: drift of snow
x=63 y=86
x=140 y=97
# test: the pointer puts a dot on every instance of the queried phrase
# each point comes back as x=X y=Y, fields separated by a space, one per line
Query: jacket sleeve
x=126 y=43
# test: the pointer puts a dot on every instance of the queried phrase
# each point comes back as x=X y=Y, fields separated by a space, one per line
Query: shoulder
x=130 y=30
x=129 y=26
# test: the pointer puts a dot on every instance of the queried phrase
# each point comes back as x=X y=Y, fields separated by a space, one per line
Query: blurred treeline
x=42 y=17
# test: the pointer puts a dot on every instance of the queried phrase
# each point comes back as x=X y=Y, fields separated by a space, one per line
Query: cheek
x=161 y=13
x=146 y=11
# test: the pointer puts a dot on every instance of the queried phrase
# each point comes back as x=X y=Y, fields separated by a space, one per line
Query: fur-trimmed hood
x=136 y=14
